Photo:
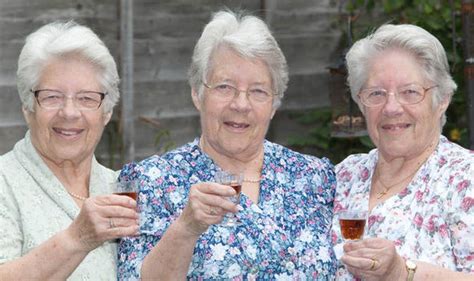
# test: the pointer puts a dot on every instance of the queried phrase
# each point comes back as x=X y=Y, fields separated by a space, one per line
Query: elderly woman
x=416 y=185
x=238 y=76
x=56 y=209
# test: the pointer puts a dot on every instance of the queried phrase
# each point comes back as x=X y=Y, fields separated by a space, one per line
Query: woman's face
x=234 y=128
x=401 y=130
x=67 y=134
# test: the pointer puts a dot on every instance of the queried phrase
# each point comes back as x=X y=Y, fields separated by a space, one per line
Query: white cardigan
x=34 y=206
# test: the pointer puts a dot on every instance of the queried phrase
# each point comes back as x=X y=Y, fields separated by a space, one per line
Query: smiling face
x=401 y=130
x=67 y=134
x=236 y=128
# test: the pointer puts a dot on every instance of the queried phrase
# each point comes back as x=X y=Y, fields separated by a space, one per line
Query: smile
x=395 y=127
x=237 y=125
x=68 y=132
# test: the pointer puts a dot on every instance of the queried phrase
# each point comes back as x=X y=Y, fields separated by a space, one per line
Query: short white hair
x=427 y=50
x=247 y=35
x=57 y=40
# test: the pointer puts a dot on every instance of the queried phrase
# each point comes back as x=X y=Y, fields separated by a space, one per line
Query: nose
x=241 y=101
x=69 y=109
x=392 y=106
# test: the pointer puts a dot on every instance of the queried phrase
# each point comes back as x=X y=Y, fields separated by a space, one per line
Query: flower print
x=431 y=225
x=219 y=251
x=283 y=277
x=463 y=185
x=154 y=173
x=344 y=175
x=442 y=161
x=419 y=195
x=176 y=197
x=443 y=230
x=324 y=253
x=364 y=174
x=418 y=220
x=251 y=251
x=234 y=251
x=233 y=270
x=467 y=203
x=337 y=206
x=306 y=235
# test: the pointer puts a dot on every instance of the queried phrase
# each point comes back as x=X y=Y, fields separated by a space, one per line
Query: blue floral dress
x=286 y=236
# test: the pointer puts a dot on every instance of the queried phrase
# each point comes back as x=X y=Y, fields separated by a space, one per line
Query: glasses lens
x=411 y=94
x=372 y=97
x=50 y=99
x=259 y=95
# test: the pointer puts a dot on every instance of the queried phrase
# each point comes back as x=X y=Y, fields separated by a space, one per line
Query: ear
x=443 y=106
x=27 y=114
x=107 y=117
x=196 y=99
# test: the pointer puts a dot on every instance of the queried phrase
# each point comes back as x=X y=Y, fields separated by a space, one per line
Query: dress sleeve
x=156 y=215
x=11 y=238
x=461 y=223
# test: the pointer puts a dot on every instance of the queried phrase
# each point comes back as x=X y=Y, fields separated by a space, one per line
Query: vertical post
x=467 y=10
x=126 y=65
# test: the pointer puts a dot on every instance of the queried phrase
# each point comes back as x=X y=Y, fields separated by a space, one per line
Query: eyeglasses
x=52 y=99
x=227 y=92
x=410 y=94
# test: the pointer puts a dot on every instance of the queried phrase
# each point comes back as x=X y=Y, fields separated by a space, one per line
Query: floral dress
x=286 y=236
x=431 y=220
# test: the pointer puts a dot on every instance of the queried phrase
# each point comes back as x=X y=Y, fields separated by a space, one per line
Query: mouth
x=68 y=133
x=236 y=125
x=396 y=127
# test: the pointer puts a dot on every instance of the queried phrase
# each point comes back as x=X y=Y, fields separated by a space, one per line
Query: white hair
x=247 y=35
x=427 y=50
x=57 y=40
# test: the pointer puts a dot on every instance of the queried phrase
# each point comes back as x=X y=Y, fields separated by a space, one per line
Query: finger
x=203 y=201
x=122 y=222
x=118 y=211
x=214 y=188
x=114 y=199
x=375 y=243
x=119 y=232
x=365 y=264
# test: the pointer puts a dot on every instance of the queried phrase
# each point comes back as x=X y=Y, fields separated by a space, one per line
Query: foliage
x=319 y=137
x=436 y=16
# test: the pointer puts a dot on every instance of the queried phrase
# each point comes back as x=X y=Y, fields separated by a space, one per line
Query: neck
x=250 y=165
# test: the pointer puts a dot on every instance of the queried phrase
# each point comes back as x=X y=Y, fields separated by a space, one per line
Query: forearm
x=171 y=257
x=55 y=259
x=426 y=271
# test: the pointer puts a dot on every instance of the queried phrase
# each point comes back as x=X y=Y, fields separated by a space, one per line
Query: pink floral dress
x=431 y=220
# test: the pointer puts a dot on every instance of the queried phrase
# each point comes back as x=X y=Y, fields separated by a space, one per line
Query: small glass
x=233 y=180
x=352 y=224
x=127 y=188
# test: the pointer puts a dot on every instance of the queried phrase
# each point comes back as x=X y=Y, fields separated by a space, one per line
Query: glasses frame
x=238 y=91
x=396 y=93
x=36 y=93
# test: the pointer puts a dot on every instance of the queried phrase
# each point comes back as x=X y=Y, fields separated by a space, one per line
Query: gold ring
x=111 y=223
x=374 y=262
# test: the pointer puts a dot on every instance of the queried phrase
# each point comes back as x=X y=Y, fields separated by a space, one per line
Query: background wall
x=165 y=33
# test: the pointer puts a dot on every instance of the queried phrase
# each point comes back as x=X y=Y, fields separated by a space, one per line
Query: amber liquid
x=236 y=187
x=132 y=195
x=352 y=229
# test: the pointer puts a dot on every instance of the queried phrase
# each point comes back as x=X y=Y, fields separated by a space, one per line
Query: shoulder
x=281 y=155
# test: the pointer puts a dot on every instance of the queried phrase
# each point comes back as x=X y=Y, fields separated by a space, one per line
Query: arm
x=171 y=257
x=59 y=256
x=389 y=265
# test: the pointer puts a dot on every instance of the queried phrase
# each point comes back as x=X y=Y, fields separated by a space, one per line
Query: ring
x=212 y=211
x=111 y=223
x=374 y=262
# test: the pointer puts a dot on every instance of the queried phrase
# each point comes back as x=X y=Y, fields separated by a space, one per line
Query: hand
x=104 y=218
x=207 y=205
x=374 y=259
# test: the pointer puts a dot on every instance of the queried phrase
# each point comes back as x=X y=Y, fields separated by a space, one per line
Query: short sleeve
x=10 y=230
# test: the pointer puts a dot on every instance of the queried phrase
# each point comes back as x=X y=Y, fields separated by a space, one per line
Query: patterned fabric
x=34 y=206
x=286 y=236
x=431 y=220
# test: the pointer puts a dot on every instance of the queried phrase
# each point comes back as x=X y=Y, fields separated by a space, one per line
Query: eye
x=50 y=96
x=224 y=88
x=376 y=93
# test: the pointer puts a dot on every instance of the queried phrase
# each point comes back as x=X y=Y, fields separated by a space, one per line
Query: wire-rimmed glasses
x=408 y=94
x=227 y=92
x=53 y=99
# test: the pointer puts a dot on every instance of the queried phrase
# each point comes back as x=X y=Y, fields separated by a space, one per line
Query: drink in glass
x=127 y=188
x=233 y=180
x=352 y=224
